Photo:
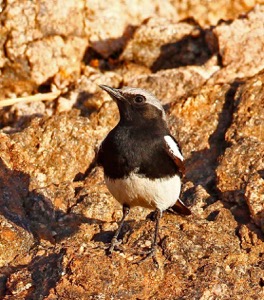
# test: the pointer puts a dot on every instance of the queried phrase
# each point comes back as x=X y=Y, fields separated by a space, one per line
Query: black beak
x=114 y=93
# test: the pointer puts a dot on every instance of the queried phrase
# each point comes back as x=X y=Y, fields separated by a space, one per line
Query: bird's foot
x=151 y=253
x=114 y=246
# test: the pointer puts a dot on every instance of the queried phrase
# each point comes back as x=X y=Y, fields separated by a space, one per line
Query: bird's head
x=136 y=104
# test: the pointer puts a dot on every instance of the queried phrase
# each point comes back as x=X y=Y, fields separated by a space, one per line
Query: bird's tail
x=180 y=208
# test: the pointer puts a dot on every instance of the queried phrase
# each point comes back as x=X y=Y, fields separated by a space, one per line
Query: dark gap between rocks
x=217 y=147
x=190 y=50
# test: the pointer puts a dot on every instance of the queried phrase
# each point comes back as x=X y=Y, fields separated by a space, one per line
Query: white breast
x=137 y=190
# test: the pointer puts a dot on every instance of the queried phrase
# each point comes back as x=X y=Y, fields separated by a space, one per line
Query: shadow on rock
x=49 y=223
x=45 y=273
x=107 y=235
x=190 y=50
x=24 y=212
x=13 y=190
x=81 y=104
x=106 y=52
x=34 y=212
x=201 y=167
x=13 y=123
x=38 y=277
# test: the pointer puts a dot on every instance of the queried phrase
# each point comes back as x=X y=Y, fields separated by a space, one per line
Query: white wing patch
x=172 y=147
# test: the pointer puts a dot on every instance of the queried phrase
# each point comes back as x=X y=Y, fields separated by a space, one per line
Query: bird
x=142 y=162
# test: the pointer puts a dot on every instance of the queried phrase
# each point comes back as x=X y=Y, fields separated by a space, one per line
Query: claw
x=151 y=253
x=114 y=246
x=115 y=242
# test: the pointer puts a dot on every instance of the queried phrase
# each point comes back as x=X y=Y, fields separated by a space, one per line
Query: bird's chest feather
x=125 y=150
x=136 y=190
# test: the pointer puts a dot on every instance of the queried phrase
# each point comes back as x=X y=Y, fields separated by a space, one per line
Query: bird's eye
x=139 y=99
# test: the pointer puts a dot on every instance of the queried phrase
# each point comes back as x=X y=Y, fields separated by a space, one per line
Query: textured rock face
x=57 y=216
x=210 y=12
x=240 y=170
x=33 y=35
x=246 y=35
x=156 y=39
x=44 y=37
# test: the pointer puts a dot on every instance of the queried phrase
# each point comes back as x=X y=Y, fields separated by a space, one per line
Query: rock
x=130 y=70
x=109 y=278
x=169 y=85
x=15 y=240
x=15 y=83
x=34 y=37
x=49 y=192
x=19 y=115
x=154 y=42
x=210 y=13
x=254 y=194
x=249 y=111
x=40 y=29
x=86 y=94
x=61 y=18
x=35 y=34
x=57 y=216
x=238 y=163
x=38 y=278
x=90 y=206
x=65 y=55
x=158 y=46
x=108 y=28
x=199 y=123
x=34 y=149
x=246 y=35
x=242 y=162
x=205 y=255
x=20 y=25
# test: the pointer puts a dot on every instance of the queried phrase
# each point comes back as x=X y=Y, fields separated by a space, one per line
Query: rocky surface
x=57 y=216
x=243 y=162
x=210 y=12
x=246 y=35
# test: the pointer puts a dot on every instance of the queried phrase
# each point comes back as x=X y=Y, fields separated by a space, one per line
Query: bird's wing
x=174 y=152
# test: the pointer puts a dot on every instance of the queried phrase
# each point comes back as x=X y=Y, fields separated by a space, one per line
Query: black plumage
x=130 y=148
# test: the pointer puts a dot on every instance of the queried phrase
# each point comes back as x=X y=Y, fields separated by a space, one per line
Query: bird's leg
x=155 y=238
x=152 y=251
x=114 y=240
